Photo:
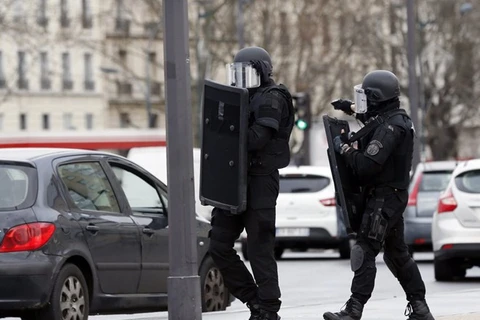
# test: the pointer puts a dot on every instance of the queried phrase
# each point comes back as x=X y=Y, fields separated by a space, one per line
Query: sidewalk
x=459 y=305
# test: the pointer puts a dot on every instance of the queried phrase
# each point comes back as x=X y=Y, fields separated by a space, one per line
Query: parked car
x=307 y=215
x=426 y=185
x=85 y=232
x=456 y=224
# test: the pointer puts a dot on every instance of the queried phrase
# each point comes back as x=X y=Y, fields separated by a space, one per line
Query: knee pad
x=357 y=256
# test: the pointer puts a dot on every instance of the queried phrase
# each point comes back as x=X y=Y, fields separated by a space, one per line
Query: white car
x=154 y=159
x=456 y=224
x=307 y=213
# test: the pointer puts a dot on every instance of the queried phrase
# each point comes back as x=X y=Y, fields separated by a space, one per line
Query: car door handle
x=92 y=228
x=148 y=231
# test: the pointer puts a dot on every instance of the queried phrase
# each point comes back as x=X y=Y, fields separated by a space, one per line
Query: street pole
x=184 y=298
x=240 y=24
x=412 y=80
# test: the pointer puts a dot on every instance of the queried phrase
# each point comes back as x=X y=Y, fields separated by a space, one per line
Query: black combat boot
x=418 y=310
x=257 y=313
x=353 y=311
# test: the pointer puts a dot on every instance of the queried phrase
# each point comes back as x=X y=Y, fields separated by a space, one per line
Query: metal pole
x=184 y=298
x=240 y=24
x=412 y=79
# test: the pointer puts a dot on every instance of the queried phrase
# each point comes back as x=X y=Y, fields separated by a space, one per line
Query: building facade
x=79 y=65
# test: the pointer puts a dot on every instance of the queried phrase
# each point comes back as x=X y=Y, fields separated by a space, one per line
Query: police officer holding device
x=271 y=119
x=382 y=164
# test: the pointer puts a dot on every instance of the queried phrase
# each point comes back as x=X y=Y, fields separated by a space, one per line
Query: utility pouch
x=378 y=223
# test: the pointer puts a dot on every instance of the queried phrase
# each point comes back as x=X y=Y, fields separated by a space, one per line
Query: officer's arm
x=370 y=162
x=267 y=121
x=258 y=136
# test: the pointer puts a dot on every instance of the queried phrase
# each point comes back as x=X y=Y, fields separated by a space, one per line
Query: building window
x=87 y=20
x=66 y=72
x=1 y=121
x=89 y=121
x=89 y=83
x=42 y=19
x=2 y=75
x=122 y=24
x=45 y=83
x=68 y=121
x=45 y=121
x=64 y=19
x=22 y=76
x=23 y=121
x=18 y=11
x=124 y=120
x=122 y=55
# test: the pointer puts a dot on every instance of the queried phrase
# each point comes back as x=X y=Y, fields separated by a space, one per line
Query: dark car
x=426 y=185
x=85 y=232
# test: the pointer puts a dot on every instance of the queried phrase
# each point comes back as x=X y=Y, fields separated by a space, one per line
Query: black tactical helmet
x=380 y=86
x=253 y=53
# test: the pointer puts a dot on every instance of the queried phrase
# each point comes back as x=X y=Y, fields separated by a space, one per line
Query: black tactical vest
x=396 y=170
x=276 y=153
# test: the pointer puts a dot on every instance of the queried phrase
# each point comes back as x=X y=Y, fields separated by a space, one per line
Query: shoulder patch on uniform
x=374 y=147
x=390 y=127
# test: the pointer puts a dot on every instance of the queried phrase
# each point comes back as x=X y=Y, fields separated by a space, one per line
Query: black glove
x=263 y=68
x=337 y=144
x=344 y=105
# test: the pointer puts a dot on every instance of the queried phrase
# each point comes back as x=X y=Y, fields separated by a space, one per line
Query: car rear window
x=468 y=181
x=303 y=183
x=435 y=180
x=18 y=186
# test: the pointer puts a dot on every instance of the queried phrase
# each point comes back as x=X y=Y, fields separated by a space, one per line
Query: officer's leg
x=260 y=226
x=226 y=228
x=362 y=260
x=402 y=266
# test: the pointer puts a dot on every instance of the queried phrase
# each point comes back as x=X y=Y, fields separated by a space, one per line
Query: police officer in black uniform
x=270 y=124
x=382 y=164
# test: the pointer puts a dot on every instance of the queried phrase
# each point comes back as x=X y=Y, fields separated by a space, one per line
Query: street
x=313 y=279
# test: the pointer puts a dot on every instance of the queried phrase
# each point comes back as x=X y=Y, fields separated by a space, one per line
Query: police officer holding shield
x=270 y=124
x=382 y=164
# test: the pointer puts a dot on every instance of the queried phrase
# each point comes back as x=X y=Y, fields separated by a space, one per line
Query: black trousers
x=396 y=254
x=259 y=222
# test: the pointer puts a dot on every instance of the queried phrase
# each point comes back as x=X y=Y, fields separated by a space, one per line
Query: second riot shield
x=223 y=173
x=347 y=189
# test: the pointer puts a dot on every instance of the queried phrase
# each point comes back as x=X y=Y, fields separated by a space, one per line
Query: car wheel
x=69 y=298
x=245 y=250
x=278 y=252
x=447 y=270
x=344 y=249
x=215 y=295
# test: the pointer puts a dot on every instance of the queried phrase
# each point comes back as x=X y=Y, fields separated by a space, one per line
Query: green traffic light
x=301 y=124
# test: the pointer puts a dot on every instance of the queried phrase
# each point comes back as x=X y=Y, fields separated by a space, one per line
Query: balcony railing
x=67 y=84
x=22 y=84
x=89 y=85
x=45 y=84
x=124 y=88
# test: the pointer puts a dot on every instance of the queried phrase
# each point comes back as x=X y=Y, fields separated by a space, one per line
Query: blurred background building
x=94 y=65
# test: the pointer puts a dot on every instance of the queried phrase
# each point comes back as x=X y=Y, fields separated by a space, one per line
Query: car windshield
x=302 y=183
x=18 y=186
x=468 y=181
x=435 y=180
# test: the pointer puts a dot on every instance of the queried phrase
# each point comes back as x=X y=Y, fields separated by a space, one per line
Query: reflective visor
x=360 y=99
x=242 y=75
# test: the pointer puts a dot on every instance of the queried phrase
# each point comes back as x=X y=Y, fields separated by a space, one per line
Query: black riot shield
x=223 y=173
x=347 y=189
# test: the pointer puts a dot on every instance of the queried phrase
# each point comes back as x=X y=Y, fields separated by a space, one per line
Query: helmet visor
x=242 y=75
x=360 y=99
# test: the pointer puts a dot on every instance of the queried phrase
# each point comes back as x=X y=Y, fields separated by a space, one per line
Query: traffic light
x=302 y=110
